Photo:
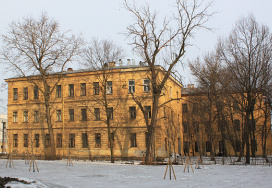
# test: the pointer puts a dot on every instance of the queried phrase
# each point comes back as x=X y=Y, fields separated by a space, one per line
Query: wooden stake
x=199 y=160
x=170 y=166
x=188 y=162
x=69 y=161
x=10 y=161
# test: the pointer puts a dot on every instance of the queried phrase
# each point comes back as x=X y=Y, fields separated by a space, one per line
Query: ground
x=105 y=174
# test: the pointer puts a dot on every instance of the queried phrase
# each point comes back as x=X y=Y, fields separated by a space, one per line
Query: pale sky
x=107 y=19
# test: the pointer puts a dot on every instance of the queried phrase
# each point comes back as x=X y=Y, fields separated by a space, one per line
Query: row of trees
x=39 y=47
x=236 y=78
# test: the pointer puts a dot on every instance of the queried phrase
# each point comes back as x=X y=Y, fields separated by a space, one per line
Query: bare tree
x=38 y=47
x=162 y=43
x=247 y=55
x=102 y=56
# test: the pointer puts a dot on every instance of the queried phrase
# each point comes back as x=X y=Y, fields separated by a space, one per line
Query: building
x=78 y=114
x=214 y=125
x=3 y=132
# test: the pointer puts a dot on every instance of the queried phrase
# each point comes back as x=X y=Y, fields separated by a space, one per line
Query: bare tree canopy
x=38 y=46
x=101 y=52
x=163 y=43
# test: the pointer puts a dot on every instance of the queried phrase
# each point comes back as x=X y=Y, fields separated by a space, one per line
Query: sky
x=108 y=19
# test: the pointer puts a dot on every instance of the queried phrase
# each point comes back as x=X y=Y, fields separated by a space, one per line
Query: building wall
x=122 y=125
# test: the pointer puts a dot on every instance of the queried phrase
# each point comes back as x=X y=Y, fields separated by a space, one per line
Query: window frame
x=36 y=92
x=131 y=86
x=15 y=117
x=59 y=140
x=97 y=114
x=132 y=112
x=58 y=91
x=146 y=85
x=71 y=90
x=97 y=137
x=83 y=89
x=25 y=93
x=84 y=139
x=59 y=115
x=109 y=90
x=15 y=94
x=133 y=140
x=148 y=111
x=15 y=140
x=25 y=116
x=96 y=88
x=84 y=114
x=72 y=140
x=71 y=115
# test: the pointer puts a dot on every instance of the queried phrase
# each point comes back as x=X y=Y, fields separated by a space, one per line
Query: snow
x=105 y=174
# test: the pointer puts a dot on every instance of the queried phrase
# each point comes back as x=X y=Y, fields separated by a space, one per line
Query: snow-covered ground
x=105 y=174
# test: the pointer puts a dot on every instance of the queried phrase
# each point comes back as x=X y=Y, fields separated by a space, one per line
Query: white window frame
x=131 y=86
x=146 y=86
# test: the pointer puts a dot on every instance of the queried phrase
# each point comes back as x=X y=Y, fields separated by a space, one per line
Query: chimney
x=112 y=64
x=128 y=62
x=190 y=86
x=120 y=62
x=70 y=69
x=133 y=62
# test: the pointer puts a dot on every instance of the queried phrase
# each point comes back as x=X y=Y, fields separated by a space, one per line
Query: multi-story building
x=214 y=124
x=3 y=132
x=78 y=114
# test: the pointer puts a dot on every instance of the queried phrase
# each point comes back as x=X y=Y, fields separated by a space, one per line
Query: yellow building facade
x=78 y=114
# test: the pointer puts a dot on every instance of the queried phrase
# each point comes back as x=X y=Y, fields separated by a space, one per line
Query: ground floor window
x=208 y=146
x=59 y=140
x=97 y=140
x=133 y=141
x=37 y=140
x=15 y=140
x=47 y=141
x=71 y=140
x=25 y=140
x=84 y=140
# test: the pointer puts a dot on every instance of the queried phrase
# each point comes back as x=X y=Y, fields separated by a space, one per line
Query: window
x=196 y=146
x=58 y=91
x=97 y=140
x=36 y=92
x=195 y=108
x=25 y=96
x=186 y=147
x=83 y=89
x=110 y=113
x=71 y=115
x=59 y=140
x=131 y=86
x=146 y=85
x=184 y=108
x=84 y=140
x=36 y=116
x=208 y=146
x=132 y=111
x=133 y=141
x=148 y=111
x=15 y=140
x=15 y=117
x=15 y=93
x=221 y=146
x=109 y=87
x=58 y=115
x=25 y=113
x=71 y=90
x=237 y=125
x=37 y=140
x=207 y=127
x=185 y=126
x=25 y=140
x=237 y=145
x=97 y=114
x=196 y=126
x=71 y=140
x=83 y=114
x=112 y=140
x=47 y=141
x=96 y=88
